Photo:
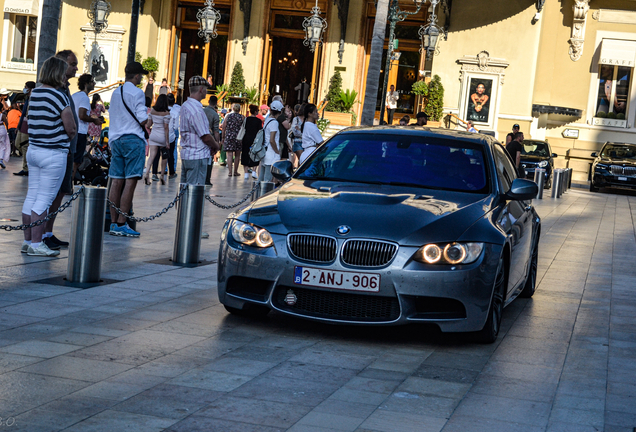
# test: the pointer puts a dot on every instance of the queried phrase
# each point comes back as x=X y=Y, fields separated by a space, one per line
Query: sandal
x=147 y=179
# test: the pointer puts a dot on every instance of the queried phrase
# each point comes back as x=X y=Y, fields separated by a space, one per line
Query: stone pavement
x=154 y=350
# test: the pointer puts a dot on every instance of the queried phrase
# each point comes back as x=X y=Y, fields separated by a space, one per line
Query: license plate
x=308 y=276
x=622 y=178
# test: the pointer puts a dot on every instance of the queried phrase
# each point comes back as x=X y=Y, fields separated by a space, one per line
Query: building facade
x=562 y=69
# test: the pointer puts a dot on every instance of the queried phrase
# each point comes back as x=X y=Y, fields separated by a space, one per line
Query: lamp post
x=395 y=15
x=429 y=34
x=98 y=15
x=208 y=18
x=314 y=27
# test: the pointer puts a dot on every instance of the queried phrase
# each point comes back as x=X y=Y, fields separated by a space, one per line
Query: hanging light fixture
x=98 y=15
x=429 y=34
x=208 y=18
x=314 y=27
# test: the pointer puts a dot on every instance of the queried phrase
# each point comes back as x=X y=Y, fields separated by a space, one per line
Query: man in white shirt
x=86 y=84
x=128 y=116
x=270 y=140
x=391 y=103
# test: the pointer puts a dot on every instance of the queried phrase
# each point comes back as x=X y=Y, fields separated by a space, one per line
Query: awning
x=550 y=109
x=24 y=7
x=617 y=52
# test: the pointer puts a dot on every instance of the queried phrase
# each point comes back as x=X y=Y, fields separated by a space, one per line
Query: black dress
x=252 y=126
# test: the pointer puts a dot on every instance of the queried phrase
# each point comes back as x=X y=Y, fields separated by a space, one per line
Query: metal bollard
x=267 y=187
x=539 y=179
x=187 y=236
x=564 y=182
x=257 y=193
x=557 y=178
x=87 y=236
x=568 y=185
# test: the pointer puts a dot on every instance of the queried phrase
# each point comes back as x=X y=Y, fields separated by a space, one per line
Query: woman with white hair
x=230 y=129
x=51 y=128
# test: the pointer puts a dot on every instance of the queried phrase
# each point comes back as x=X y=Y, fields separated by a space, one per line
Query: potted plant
x=151 y=64
x=237 y=82
x=334 y=111
x=252 y=95
x=420 y=90
x=435 y=102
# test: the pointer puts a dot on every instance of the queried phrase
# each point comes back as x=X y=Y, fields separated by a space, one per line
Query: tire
x=249 y=310
x=531 y=283
x=489 y=333
x=593 y=188
x=99 y=181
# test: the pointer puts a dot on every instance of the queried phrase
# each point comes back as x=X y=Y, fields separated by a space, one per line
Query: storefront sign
x=571 y=133
x=618 y=53
x=609 y=122
x=22 y=7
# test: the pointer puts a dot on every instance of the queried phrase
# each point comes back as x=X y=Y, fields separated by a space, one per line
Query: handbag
x=146 y=135
x=241 y=133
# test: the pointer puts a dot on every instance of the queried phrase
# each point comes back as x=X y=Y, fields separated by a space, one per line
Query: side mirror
x=522 y=190
x=554 y=155
x=282 y=170
x=594 y=154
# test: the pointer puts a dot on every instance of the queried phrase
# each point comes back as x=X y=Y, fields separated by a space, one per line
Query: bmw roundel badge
x=343 y=230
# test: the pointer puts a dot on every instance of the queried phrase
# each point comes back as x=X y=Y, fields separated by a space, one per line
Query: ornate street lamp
x=429 y=34
x=208 y=18
x=98 y=15
x=314 y=27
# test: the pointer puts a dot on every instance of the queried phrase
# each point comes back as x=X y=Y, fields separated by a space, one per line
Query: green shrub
x=333 y=94
x=151 y=64
x=237 y=82
x=601 y=114
x=251 y=93
x=420 y=88
x=435 y=103
x=347 y=99
x=620 y=116
x=611 y=115
x=322 y=124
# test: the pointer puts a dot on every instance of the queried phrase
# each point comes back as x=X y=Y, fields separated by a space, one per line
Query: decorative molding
x=483 y=63
x=576 y=41
x=343 y=16
x=113 y=33
x=246 y=8
x=615 y=16
x=596 y=14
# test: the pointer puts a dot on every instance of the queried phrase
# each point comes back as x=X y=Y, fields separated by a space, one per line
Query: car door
x=516 y=220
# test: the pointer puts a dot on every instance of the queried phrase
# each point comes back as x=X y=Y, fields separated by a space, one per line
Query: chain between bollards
x=149 y=218
x=227 y=207
x=47 y=218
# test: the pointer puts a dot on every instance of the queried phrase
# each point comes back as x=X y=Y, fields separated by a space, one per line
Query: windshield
x=535 y=148
x=399 y=160
x=619 y=151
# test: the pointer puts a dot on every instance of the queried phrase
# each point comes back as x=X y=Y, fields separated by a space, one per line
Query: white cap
x=276 y=106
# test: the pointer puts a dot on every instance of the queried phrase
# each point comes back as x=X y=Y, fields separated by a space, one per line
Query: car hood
x=409 y=216
x=618 y=161
x=533 y=158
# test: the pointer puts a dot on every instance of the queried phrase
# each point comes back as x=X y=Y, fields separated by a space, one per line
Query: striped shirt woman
x=46 y=128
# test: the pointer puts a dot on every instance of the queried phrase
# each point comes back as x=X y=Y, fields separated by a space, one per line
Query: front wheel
x=593 y=188
x=491 y=329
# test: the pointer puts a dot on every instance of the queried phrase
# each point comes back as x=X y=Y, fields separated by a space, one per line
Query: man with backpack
x=268 y=138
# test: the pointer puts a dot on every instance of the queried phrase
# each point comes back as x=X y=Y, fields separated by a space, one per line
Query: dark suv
x=537 y=154
x=614 y=166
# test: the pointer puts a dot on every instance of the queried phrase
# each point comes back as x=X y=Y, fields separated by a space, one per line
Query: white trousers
x=5 y=144
x=46 y=172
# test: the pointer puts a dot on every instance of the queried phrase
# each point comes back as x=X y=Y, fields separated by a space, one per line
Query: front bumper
x=455 y=298
x=609 y=180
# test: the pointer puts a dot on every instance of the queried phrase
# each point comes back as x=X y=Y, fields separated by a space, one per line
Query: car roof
x=472 y=137
x=536 y=140
x=619 y=143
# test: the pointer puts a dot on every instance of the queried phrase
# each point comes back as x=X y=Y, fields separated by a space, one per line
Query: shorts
x=80 y=149
x=298 y=146
x=194 y=171
x=128 y=157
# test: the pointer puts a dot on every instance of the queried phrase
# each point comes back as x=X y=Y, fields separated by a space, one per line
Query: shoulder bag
x=145 y=131
x=241 y=133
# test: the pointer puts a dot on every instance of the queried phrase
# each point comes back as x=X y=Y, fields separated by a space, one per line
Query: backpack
x=258 y=149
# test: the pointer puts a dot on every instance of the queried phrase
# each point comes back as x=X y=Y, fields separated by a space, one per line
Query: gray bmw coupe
x=384 y=226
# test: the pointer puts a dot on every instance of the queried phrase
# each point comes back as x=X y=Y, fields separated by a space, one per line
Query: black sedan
x=614 y=166
x=537 y=154
x=387 y=225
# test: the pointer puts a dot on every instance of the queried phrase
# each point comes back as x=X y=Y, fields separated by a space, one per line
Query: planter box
x=598 y=121
x=339 y=119
x=436 y=124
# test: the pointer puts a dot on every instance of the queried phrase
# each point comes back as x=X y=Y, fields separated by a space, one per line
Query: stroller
x=94 y=168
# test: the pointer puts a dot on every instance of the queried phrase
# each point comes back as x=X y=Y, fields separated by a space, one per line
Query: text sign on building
x=618 y=53
x=571 y=133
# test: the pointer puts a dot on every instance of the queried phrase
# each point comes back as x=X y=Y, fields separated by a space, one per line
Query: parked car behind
x=614 y=167
x=538 y=154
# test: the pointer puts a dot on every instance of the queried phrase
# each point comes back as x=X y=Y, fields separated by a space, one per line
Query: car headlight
x=451 y=253
x=251 y=235
x=600 y=166
x=543 y=164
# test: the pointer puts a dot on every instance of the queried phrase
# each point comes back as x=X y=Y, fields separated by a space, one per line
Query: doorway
x=193 y=55
x=290 y=63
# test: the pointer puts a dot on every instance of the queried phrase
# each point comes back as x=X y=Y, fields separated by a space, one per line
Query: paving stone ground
x=154 y=350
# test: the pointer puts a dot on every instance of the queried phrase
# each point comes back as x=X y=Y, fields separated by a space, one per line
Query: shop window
x=22 y=48
x=613 y=94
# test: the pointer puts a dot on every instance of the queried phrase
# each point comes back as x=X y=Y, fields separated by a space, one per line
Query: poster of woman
x=479 y=94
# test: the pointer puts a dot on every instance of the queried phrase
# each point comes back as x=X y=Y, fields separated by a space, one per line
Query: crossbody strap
x=128 y=109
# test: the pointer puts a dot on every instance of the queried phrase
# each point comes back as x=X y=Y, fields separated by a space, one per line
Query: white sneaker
x=42 y=250
x=24 y=248
x=254 y=174
x=246 y=176
x=205 y=235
